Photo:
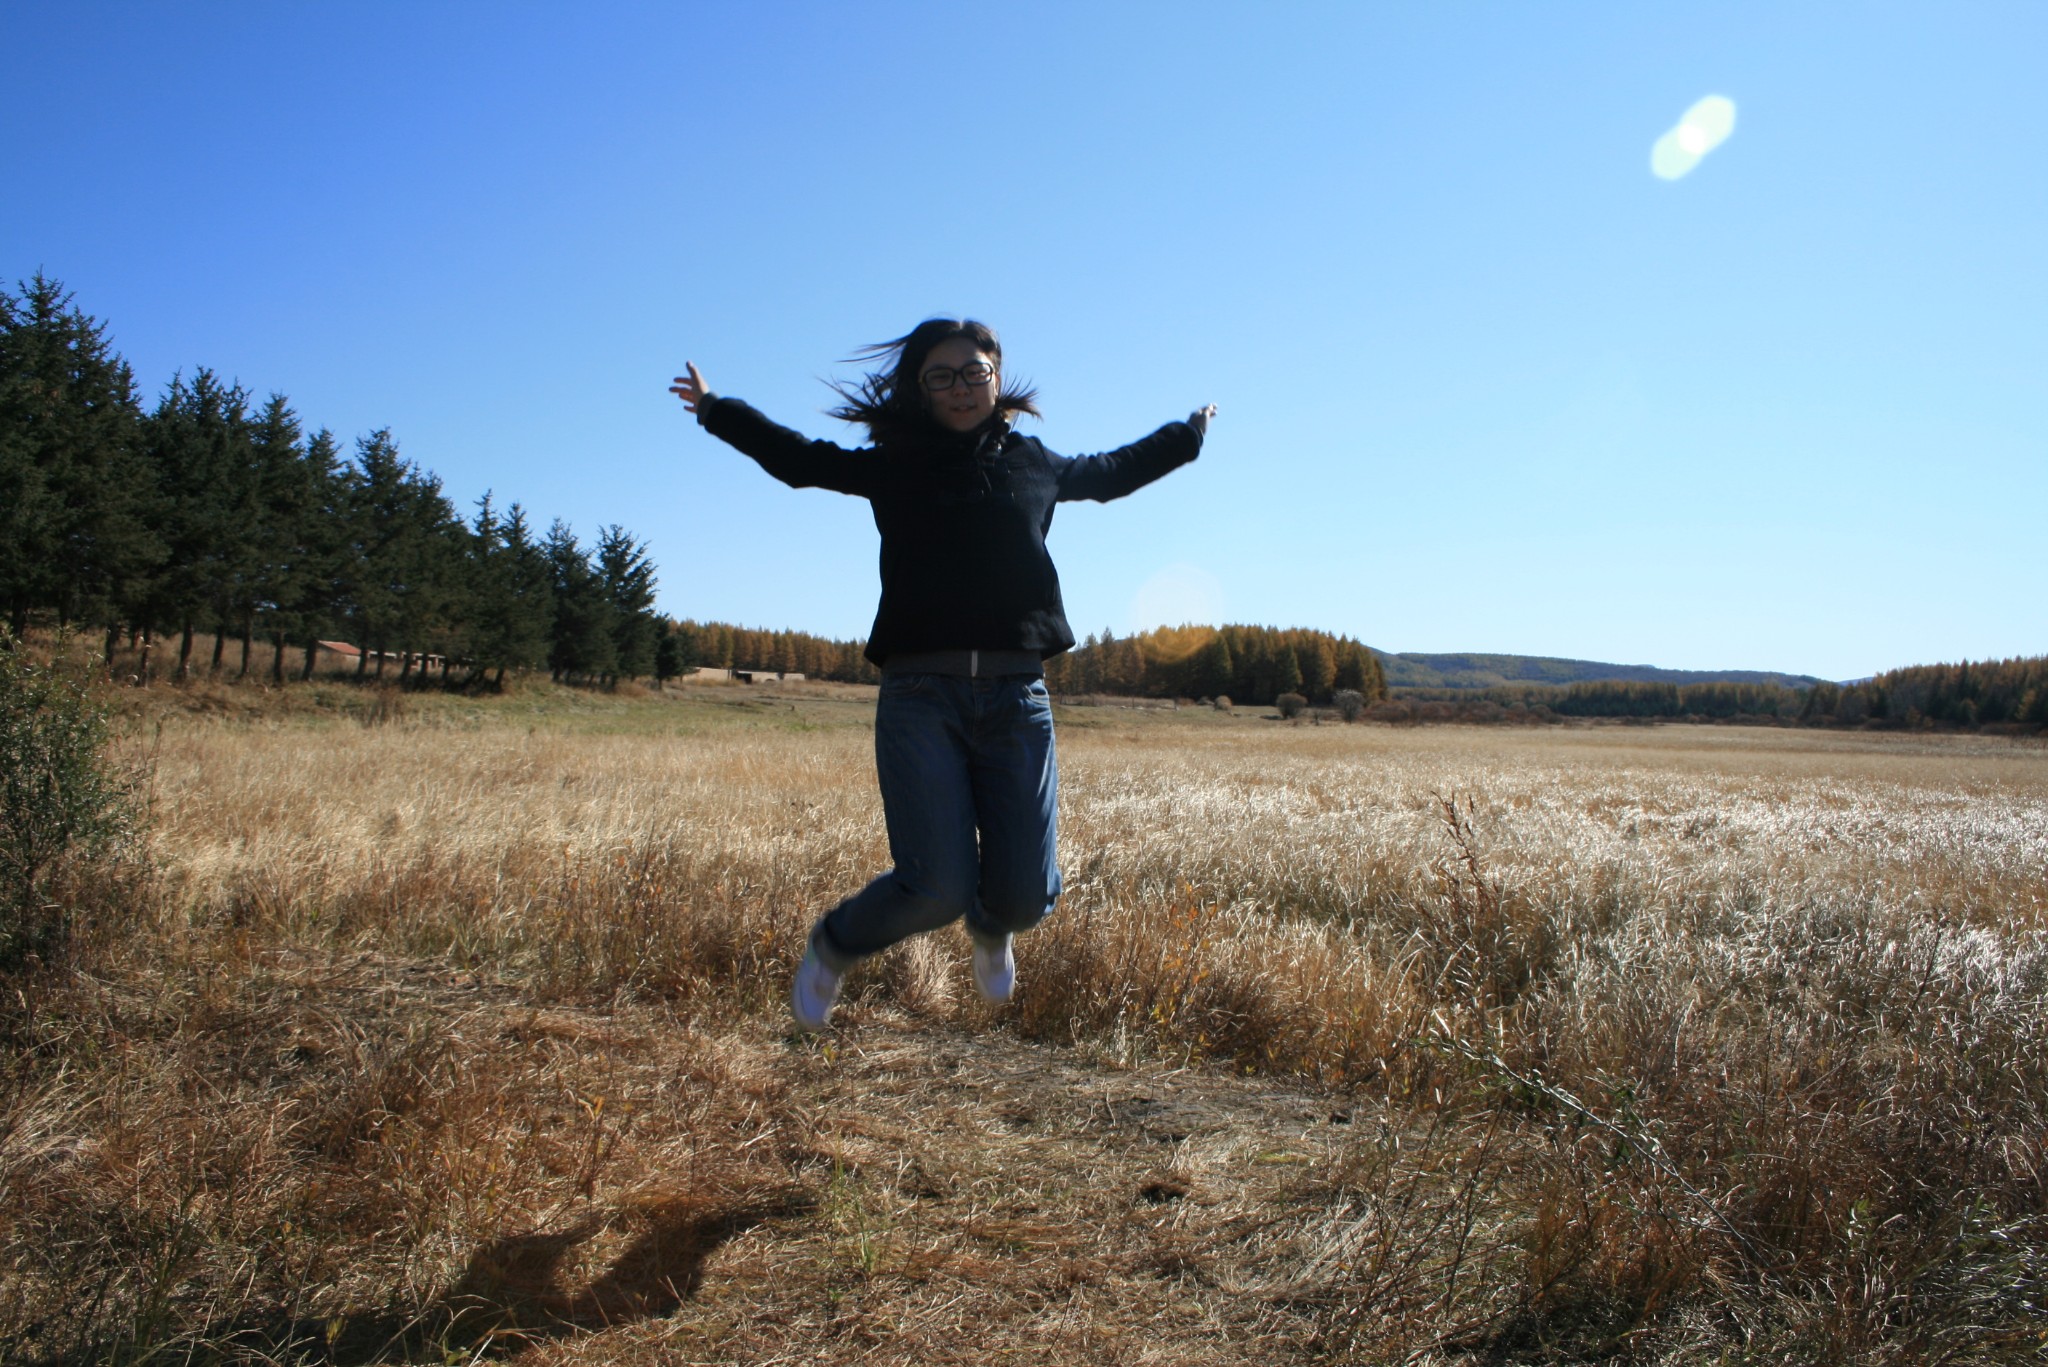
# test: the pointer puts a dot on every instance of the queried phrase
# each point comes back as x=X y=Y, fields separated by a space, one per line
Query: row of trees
x=1252 y=665
x=1984 y=693
x=211 y=512
x=720 y=645
x=1247 y=664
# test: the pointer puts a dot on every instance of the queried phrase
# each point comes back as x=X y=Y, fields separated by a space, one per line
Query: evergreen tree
x=580 y=646
x=74 y=492
x=283 y=510
x=196 y=442
x=628 y=578
x=1351 y=671
x=324 y=515
x=1318 y=658
x=1215 y=671
x=674 y=651
x=377 y=556
x=1375 y=686
x=512 y=602
x=406 y=547
x=1287 y=671
x=239 y=517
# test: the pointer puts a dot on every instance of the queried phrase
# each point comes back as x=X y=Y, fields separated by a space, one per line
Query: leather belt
x=967 y=664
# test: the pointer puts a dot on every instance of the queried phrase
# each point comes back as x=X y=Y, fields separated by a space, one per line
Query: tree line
x=1247 y=664
x=1972 y=694
x=213 y=512
x=721 y=645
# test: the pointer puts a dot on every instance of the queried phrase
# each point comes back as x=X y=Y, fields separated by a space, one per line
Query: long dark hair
x=890 y=403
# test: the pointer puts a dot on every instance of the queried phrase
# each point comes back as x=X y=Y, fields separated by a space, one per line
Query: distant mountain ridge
x=1415 y=670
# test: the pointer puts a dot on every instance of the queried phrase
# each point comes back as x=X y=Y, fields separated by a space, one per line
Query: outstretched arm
x=1116 y=473
x=789 y=456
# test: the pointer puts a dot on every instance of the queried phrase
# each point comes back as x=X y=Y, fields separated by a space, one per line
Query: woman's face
x=960 y=405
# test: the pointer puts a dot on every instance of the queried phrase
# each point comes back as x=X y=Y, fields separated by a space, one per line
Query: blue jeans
x=958 y=758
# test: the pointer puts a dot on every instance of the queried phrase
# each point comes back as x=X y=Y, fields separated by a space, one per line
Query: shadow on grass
x=509 y=1297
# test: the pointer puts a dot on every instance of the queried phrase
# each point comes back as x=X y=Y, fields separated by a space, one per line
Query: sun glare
x=1178 y=594
x=1699 y=131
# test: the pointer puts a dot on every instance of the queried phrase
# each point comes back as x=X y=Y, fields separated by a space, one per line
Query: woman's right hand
x=691 y=388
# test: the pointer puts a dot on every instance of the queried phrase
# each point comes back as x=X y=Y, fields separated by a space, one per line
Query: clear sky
x=1486 y=382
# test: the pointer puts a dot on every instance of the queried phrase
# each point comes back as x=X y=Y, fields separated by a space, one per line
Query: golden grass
x=463 y=1033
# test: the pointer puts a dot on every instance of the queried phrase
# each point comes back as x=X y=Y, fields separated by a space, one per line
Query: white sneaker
x=815 y=989
x=995 y=970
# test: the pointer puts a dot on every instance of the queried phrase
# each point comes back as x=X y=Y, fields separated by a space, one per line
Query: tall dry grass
x=1666 y=1044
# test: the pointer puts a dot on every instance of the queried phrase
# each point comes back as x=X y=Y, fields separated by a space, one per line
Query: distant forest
x=1246 y=664
x=2002 y=694
x=210 y=513
x=1254 y=665
x=1416 y=670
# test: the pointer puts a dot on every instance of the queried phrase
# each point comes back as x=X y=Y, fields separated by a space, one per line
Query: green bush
x=62 y=797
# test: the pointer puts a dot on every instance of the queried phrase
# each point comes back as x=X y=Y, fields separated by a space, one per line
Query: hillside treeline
x=1244 y=663
x=1971 y=694
x=212 y=512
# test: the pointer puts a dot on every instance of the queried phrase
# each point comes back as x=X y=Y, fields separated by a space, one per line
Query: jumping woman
x=970 y=612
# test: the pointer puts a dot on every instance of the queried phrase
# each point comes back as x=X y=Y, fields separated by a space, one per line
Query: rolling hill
x=1414 y=670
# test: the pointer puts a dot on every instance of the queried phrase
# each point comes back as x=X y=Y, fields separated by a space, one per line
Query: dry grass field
x=433 y=1030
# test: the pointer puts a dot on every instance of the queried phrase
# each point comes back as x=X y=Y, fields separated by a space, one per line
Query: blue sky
x=1486 y=382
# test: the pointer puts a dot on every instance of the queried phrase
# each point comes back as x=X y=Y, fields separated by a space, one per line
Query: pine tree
x=1215 y=670
x=1318 y=659
x=378 y=555
x=404 y=557
x=196 y=443
x=283 y=510
x=326 y=543
x=1287 y=671
x=1375 y=686
x=74 y=491
x=238 y=518
x=628 y=578
x=512 y=602
x=580 y=645
x=674 y=650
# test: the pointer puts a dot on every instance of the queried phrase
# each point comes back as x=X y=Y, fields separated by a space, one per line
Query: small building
x=341 y=654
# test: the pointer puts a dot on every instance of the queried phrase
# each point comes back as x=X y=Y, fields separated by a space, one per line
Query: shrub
x=61 y=796
x=1350 y=703
x=1290 y=705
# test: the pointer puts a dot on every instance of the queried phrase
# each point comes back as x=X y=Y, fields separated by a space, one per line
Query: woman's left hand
x=691 y=388
x=1199 y=419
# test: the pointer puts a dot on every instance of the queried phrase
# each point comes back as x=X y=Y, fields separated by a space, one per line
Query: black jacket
x=963 y=518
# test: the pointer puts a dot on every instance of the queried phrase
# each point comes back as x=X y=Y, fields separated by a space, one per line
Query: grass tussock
x=460 y=1032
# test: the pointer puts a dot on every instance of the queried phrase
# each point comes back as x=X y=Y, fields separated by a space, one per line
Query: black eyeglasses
x=940 y=378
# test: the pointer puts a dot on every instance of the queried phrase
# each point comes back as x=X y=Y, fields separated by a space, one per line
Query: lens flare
x=1699 y=131
x=1178 y=594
